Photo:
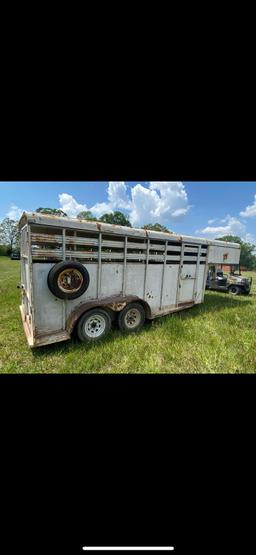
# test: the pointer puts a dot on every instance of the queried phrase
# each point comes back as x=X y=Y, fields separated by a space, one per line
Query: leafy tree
x=9 y=233
x=247 y=258
x=52 y=211
x=156 y=227
x=116 y=218
x=5 y=250
x=86 y=215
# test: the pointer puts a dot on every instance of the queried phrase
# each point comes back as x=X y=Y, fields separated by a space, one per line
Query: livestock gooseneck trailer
x=81 y=274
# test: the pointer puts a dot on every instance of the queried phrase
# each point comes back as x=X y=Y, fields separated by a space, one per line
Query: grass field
x=216 y=336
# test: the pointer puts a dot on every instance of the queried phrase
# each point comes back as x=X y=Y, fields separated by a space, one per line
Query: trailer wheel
x=234 y=289
x=94 y=325
x=131 y=318
x=68 y=280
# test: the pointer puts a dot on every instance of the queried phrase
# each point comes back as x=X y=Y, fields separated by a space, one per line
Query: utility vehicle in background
x=15 y=255
x=233 y=282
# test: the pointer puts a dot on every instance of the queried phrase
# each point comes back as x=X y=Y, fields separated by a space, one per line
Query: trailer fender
x=113 y=304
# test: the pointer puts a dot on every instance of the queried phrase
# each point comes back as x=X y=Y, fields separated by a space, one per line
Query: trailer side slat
x=58 y=254
x=74 y=240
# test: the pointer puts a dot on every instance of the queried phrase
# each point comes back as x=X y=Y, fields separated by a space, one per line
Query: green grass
x=216 y=336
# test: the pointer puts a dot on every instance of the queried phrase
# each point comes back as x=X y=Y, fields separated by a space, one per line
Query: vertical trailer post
x=179 y=273
x=146 y=268
x=163 y=275
x=99 y=265
x=75 y=246
x=205 y=272
x=197 y=272
x=64 y=303
x=63 y=245
x=124 y=265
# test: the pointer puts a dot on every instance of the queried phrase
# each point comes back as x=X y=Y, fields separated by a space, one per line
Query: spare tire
x=68 y=280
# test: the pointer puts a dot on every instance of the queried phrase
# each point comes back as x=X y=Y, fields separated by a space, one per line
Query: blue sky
x=204 y=209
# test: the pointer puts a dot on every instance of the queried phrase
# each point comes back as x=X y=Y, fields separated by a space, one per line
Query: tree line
x=10 y=236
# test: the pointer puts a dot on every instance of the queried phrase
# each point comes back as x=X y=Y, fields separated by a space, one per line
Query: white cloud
x=14 y=213
x=117 y=194
x=250 y=211
x=101 y=208
x=212 y=221
x=233 y=227
x=180 y=212
x=117 y=199
x=70 y=205
x=163 y=202
x=144 y=204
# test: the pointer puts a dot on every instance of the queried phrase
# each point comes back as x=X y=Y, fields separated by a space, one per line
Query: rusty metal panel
x=170 y=309
x=75 y=224
x=115 y=300
x=51 y=337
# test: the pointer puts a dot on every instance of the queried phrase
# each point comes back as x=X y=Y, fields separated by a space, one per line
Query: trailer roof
x=38 y=218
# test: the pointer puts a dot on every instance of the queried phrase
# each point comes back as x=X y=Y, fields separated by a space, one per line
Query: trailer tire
x=131 y=318
x=234 y=290
x=93 y=325
x=68 y=280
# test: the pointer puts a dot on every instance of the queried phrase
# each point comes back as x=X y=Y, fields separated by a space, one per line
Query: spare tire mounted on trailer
x=68 y=280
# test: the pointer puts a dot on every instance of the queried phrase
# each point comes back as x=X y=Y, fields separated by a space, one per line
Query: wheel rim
x=95 y=326
x=233 y=290
x=70 y=280
x=132 y=318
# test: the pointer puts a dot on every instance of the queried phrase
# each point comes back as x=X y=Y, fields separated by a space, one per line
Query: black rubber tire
x=122 y=322
x=234 y=290
x=82 y=332
x=56 y=270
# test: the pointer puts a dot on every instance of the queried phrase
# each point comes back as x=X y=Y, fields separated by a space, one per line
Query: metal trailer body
x=164 y=272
